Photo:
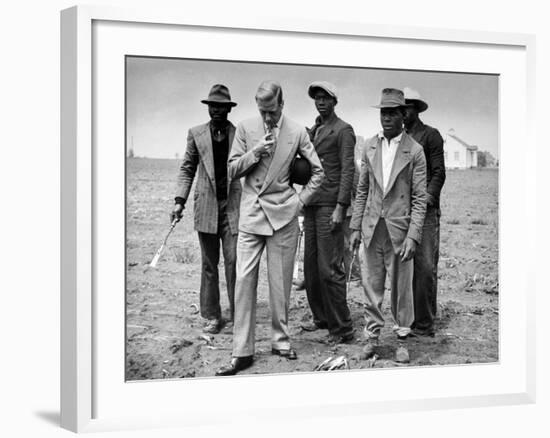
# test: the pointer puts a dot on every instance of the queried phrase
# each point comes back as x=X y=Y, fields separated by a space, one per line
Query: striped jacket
x=199 y=154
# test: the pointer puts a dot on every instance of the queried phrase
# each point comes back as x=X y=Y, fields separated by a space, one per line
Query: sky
x=163 y=99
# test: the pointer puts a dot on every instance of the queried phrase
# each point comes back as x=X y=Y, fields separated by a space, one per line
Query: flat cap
x=323 y=85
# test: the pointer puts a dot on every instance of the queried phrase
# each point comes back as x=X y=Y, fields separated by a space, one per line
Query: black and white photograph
x=287 y=218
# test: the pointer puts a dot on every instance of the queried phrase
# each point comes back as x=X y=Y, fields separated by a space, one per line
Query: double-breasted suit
x=268 y=219
x=216 y=215
x=386 y=218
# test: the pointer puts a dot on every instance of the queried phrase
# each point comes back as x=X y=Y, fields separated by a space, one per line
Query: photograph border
x=78 y=197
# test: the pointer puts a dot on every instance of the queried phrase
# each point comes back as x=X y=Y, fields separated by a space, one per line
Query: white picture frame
x=86 y=402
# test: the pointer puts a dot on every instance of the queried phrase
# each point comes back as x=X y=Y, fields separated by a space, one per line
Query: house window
x=457 y=156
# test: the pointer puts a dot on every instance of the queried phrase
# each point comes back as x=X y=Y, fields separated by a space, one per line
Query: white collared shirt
x=388 y=156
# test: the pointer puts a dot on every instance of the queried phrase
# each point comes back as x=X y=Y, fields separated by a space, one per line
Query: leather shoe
x=212 y=326
x=290 y=354
x=237 y=364
x=430 y=332
x=341 y=339
x=312 y=326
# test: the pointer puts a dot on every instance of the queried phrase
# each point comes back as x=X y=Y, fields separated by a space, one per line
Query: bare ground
x=163 y=326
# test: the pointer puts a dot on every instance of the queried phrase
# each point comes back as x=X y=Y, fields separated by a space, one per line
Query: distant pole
x=131 y=151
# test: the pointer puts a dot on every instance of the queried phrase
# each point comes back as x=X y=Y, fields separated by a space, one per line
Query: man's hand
x=355 y=240
x=264 y=146
x=337 y=217
x=408 y=249
x=177 y=213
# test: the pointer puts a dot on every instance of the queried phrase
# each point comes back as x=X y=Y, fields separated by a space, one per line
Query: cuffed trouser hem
x=242 y=355
x=401 y=331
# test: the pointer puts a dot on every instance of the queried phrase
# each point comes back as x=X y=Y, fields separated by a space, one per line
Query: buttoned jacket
x=335 y=146
x=403 y=203
x=269 y=201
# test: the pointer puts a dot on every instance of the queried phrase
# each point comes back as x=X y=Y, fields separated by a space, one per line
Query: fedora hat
x=412 y=97
x=391 y=98
x=219 y=94
x=327 y=87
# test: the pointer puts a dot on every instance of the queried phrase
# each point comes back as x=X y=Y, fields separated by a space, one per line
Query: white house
x=458 y=153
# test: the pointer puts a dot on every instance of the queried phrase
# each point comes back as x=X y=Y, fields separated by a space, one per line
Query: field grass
x=164 y=327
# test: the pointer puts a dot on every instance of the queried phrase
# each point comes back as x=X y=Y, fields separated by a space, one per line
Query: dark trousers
x=324 y=273
x=210 y=254
x=425 y=272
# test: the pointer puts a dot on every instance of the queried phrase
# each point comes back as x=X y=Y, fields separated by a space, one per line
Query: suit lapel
x=204 y=145
x=325 y=131
x=280 y=156
x=231 y=137
x=374 y=154
x=402 y=159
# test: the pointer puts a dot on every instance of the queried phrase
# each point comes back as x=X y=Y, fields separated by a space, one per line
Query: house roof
x=462 y=142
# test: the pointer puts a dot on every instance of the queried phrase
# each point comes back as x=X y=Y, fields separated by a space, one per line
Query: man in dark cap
x=216 y=203
x=389 y=211
x=427 y=254
x=324 y=216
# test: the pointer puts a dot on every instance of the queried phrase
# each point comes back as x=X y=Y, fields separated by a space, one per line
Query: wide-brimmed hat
x=412 y=97
x=219 y=94
x=329 y=88
x=391 y=98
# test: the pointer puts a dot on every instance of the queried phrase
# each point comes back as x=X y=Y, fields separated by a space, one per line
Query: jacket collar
x=328 y=126
x=204 y=146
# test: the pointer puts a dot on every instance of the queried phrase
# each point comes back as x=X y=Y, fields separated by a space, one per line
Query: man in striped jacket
x=216 y=203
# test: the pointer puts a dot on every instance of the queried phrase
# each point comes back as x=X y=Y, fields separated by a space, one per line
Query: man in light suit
x=216 y=203
x=389 y=211
x=262 y=154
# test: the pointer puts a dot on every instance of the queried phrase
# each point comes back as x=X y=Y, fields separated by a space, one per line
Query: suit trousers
x=324 y=272
x=380 y=259
x=210 y=255
x=280 y=250
x=425 y=272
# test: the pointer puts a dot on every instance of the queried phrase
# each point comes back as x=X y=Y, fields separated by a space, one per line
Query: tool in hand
x=159 y=252
x=296 y=258
x=351 y=269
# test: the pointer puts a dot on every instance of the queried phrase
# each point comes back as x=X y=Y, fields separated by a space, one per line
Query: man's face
x=392 y=121
x=324 y=102
x=218 y=112
x=411 y=114
x=270 y=111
